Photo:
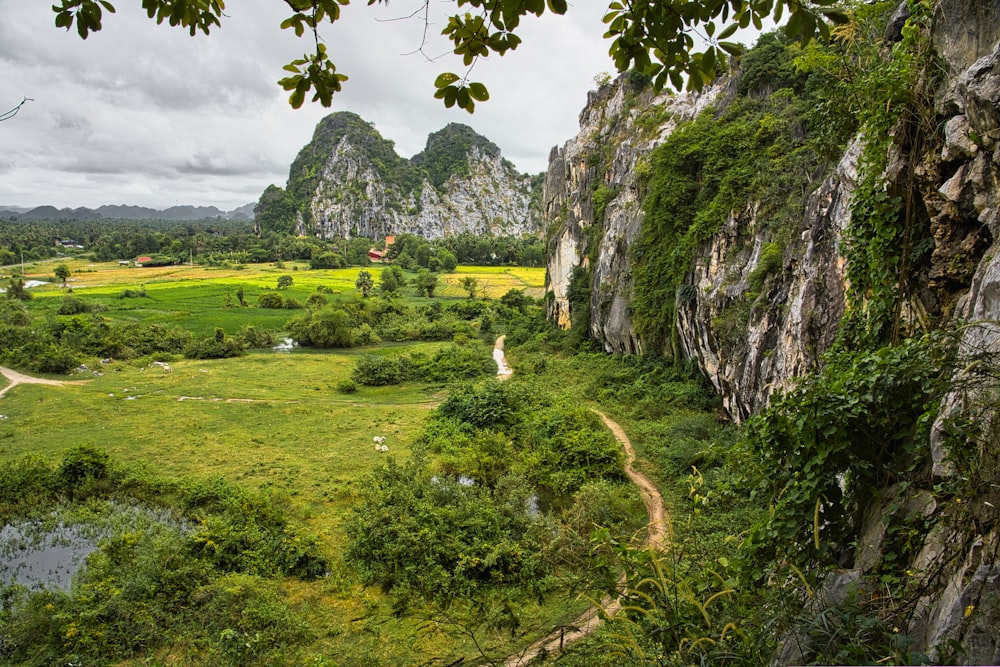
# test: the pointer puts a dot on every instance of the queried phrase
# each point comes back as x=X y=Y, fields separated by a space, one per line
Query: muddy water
x=46 y=553
x=38 y=558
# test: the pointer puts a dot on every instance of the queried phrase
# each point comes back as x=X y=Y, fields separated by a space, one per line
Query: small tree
x=17 y=290
x=284 y=282
x=392 y=280
x=62 y=273
x=469 y=284
x=426 y=282
x=364 y=283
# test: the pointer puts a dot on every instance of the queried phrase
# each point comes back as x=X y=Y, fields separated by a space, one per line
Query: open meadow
x=269 y=421
x=200 y=298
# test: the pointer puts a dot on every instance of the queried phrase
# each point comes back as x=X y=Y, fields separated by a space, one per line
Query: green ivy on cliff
x=887 y=234
x=757 y=154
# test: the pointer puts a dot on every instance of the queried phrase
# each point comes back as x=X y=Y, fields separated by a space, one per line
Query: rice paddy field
x=270 y=421
x=195 y=297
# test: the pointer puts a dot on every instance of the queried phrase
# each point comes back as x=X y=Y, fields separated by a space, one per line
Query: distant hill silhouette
x=121 y=212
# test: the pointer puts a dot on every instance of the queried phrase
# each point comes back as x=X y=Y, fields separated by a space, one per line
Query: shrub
x=347 y=387
x=219 y=346
x=14 y=313
x=24 y=479
x=454 y=362
x=72 y=305
x=326 y=327
x=248 y=621
x=437 y=537
x=133 y=293
x=54 y=358
x=375 y=370
x=252 y=337
x=83 y=466
x=316 y=300
x=771 y=255
x=271 y=300
x=487 y=404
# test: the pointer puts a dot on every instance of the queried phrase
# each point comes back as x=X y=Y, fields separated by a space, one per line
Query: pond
x=36 y=557
x=46 y=553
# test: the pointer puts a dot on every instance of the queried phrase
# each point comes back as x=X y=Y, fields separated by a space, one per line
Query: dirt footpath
x=656 y=538
x=20 y=378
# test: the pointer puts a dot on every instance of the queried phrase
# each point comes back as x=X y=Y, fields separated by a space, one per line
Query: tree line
x=233 y=241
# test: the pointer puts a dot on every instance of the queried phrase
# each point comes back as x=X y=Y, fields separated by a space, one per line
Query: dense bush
x=376 y=370
x=647 y=387
x=219 y=346
x=455 y=362
x=271 y=300
x=440 y=538
x=207 y=572
x=860 y=424
x=326 y=327
x=72 y=305
x=490 y=404
x=255 y=338
x=82 y=465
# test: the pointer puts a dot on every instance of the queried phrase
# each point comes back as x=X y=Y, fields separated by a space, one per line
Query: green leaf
x=478 y=92
x=708 y=60
x=557 y=6
x=838 y=17
x=445 y=80
x=732 y=48
x=729 y=31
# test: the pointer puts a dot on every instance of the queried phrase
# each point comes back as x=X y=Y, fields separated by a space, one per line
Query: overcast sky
x=146 y=115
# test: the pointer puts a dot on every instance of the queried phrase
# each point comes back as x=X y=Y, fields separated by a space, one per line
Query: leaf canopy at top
x=658 y=38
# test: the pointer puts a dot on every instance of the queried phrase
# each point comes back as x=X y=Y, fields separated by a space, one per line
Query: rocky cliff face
x=349 y=181
x=591 y=201
x=593 y=204
x=757 y=310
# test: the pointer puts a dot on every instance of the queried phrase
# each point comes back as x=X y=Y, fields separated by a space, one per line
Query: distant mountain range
x=125 y=213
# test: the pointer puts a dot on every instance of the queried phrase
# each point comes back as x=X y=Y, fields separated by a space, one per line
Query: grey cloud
x=145 y=114
x=226 y=165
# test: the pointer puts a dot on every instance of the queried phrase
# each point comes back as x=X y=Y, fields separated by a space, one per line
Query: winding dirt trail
x=20 y=378
x=656 y=538
x=504 y=371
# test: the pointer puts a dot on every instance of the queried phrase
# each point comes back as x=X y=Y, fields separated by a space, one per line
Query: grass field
x=194 y=297
x=270 y=421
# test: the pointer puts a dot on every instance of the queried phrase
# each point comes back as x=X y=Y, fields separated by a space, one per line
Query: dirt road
x=504 y=371
x=20 y=378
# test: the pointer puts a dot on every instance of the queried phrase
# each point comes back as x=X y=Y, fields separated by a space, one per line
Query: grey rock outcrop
x=349 y=181
x=618 y=128
x=785 y=337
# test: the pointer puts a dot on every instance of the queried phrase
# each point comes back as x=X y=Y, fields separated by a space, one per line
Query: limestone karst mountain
x=349 y=181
